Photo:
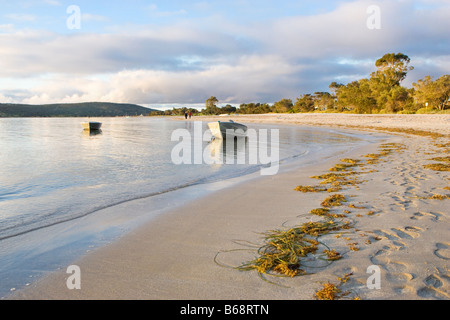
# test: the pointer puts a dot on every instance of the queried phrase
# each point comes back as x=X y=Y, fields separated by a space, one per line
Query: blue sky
x=51 y=15
x=180 y=52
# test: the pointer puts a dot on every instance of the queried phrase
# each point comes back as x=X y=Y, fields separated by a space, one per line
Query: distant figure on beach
x=190 y=114
x=185 y=115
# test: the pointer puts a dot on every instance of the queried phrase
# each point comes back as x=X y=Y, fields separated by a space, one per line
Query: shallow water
x=52 y=173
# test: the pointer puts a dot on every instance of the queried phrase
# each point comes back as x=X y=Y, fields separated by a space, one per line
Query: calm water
x=52 y=172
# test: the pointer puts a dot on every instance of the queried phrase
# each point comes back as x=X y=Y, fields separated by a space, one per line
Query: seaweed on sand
x=331 y=291
x=338 y=180
x=283 y=250
x=309 y=189
x=334 y=200
x=442 y=165
x=438 y=166
x=332 y=254
x=441 y=159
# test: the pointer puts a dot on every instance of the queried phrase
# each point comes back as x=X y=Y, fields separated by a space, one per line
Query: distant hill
x=87 y=109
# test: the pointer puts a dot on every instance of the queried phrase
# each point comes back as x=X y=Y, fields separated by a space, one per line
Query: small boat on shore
x=221 y=130
x=91 y=125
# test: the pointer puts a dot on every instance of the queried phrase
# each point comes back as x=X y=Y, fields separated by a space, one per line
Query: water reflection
x=230 y=151
x=92 y=133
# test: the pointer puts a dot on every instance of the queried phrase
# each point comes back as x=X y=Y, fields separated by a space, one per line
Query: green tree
x=246 y=108
x=399 y=99
x=264 y=108
x=392 y=68
x=304 y=103
x=334 y=87
x=283 y=106
x=323 y=101
x=211 y=107
x=228 y=109
x=385 y=82
x=356 y=96
x=211 y=102
x=436 y=93
x=254 y=108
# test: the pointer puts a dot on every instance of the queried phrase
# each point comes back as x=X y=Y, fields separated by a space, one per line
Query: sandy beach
x=439 y=123
x=398 y=212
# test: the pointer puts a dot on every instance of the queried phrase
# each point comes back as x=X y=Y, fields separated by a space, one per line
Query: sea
x=57 y=181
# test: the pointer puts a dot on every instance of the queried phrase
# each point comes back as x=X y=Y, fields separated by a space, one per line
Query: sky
x=175 y=52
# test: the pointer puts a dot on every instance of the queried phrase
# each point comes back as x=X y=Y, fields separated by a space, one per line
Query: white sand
x=439 y=123
x=172 y=257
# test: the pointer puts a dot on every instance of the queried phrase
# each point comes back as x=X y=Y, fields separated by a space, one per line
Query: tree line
x=382 y=92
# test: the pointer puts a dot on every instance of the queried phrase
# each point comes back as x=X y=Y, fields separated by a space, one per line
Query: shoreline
x=435 y=123
x=172 y=257
x=27 y=258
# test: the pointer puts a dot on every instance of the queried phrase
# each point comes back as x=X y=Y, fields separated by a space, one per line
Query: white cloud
x=9 y=27
x=5 y=99
x=241 y=82
x=52 y=2
x=21 y=17
x=190 y=60
x=155 y=12
x=93 y=17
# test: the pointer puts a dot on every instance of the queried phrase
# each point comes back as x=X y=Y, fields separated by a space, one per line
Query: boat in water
x=91 y=125
x=222 y=130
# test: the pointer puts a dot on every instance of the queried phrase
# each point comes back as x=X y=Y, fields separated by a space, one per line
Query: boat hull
x=91 y=125
x=222 y=130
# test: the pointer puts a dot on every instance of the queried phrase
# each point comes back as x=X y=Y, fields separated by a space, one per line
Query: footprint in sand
x=401 y=233
x=395 y=272
x=442 y=251
x=404 y=290
x=380 y=258
x=419 y=175
x=434 y=288
x=386 y=234
x=395 y=235
x=396 y=245
x=396 y=267
x=432 y=215
x=399 y=277
x=407 y=232
x=409 y=188
x=433 y=281
x=411 y=191
x=402 y=202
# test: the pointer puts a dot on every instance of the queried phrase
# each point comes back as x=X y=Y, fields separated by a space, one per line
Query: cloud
x=21 y=17
x=238 y=61
x=9 y=27
x=52 y=2
x=155 y=12
x=6 y=99
x=94 y=17
x=30 y=53
x=249 y=79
